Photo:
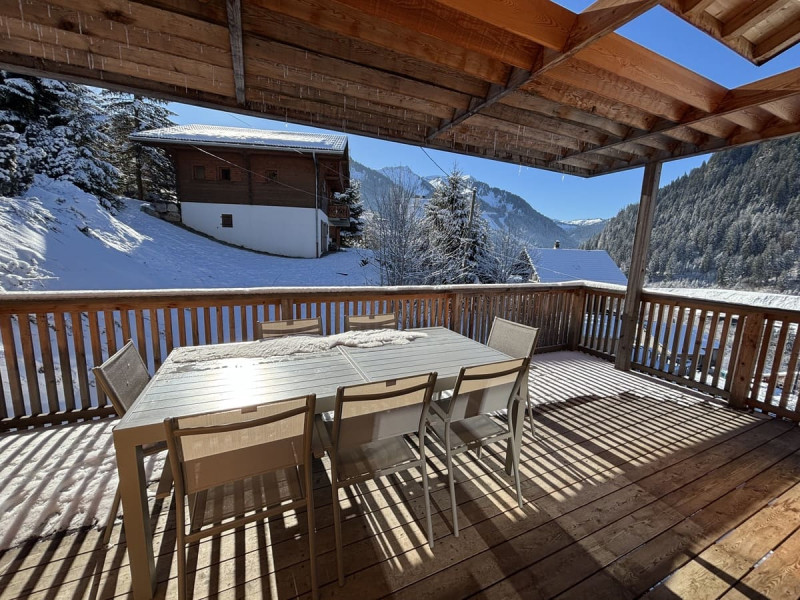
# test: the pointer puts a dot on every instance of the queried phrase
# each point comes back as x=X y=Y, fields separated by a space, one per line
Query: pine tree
x=145 y=171
x=10 y=183
x=59 y=132
x=351 y=237
x=457 y=233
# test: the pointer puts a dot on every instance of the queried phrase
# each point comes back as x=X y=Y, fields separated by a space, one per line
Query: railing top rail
x=25 y=301
x=721 y=305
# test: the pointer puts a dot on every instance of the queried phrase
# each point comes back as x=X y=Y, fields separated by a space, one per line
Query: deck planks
x=627 y=485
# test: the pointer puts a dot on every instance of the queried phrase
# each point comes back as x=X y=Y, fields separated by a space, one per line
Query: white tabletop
x=184 y=388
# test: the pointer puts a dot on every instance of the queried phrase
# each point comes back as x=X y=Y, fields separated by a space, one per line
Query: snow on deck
x=216 y=135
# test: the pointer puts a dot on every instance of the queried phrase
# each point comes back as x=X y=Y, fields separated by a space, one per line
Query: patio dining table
x=229 y=380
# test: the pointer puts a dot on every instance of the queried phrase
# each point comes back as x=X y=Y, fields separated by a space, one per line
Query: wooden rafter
x=237 y=51
x=777 y=42
x=540 y=21
x=525 y=81
x=496 y=92
x=598 y=20
x=750 y=15
x=739 y=100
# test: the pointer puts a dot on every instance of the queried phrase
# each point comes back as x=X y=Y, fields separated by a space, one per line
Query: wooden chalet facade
x=270 y=191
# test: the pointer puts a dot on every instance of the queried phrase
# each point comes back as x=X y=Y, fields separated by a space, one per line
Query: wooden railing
x=745 y=354
x=602 y=312
x=49 y=341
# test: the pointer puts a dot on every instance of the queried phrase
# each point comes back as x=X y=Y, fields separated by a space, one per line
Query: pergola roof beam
x=237 y=52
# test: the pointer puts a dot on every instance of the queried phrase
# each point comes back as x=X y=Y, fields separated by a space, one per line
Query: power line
x=433 y=161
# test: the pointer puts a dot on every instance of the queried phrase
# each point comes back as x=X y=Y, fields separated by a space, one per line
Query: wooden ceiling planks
x=756 y=29
x=525 y=81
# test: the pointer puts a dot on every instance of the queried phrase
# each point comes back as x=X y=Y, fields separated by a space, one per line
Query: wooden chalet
x=633 y=487
x=271 y=191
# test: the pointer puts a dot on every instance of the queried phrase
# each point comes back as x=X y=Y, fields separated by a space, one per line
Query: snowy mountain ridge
x=501 y=208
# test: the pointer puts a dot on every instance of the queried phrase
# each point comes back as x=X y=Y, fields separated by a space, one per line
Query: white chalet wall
x=282 y=230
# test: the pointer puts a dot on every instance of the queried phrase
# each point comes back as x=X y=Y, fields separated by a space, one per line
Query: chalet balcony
x=675 y=479
x=339 y=215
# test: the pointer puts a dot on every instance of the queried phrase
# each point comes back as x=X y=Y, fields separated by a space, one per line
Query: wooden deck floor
x=632 y=488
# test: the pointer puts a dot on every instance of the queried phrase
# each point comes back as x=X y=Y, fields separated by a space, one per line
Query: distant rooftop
x=240 y=137
x=553 y=265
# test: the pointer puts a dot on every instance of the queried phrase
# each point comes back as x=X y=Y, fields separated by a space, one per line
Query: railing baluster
x=45 y=343
x=12 y=365
x=79 y=344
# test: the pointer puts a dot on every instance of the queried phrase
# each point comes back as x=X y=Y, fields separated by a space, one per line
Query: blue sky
x=555 y=195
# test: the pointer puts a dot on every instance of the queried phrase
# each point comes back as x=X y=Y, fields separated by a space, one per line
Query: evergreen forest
x=733 y=222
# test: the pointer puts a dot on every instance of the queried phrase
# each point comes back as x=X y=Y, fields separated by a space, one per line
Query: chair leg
x=426 y=491
x=515 y=470
x=312 y=546
x=530 y=416
x=112 y=516
x=451 y=479
x=337 y=531
x=180 y=528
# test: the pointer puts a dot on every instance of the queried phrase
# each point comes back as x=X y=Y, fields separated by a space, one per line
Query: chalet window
x=227 y=220
x=270 y=176
x=225 y=173
x=198 y=172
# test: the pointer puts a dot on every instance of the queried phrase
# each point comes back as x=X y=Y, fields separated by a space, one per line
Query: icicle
x=127 y=39
x=21 y=13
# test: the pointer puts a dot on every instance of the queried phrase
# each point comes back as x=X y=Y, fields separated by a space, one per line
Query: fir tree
x=145 y=171
x=457 y=233
x=351 y=237
x=59 y=132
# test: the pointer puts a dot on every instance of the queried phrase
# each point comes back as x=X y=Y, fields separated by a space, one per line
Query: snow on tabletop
x=215 y=134
x=58 y=237
x=283 y=347
x=60 y=479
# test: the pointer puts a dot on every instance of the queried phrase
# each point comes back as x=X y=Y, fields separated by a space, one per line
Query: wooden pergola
x=522 y=81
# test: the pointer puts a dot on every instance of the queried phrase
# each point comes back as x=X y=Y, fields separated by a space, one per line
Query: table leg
x=517 y=420
x=136 y=516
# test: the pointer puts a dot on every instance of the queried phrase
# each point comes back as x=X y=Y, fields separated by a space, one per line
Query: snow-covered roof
x=240 y=137
x=565 y=264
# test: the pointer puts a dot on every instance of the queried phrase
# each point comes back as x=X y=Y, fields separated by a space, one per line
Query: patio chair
x=235 y=467
x=377 y=321
x=463 y=421
x=122 y=378
x=271 y=329
x=519 y=341
x=368 y=439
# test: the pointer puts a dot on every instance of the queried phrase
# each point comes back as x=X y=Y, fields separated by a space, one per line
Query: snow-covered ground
x=59 y=238
x=760 y=299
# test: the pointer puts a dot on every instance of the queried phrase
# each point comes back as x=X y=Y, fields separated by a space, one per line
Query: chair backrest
x=215 y=448
x=270 y=329
x=381 y=409
x=378 y=321
x=122 y=377
x=512 y=338
x=486 y=388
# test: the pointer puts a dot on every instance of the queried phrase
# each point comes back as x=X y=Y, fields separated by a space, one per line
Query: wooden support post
x=746 y=356
x=237 y=50
x=576 y=319
x=641 y=244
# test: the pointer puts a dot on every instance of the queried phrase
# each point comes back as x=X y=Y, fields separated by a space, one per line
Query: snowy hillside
x=57 y=237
